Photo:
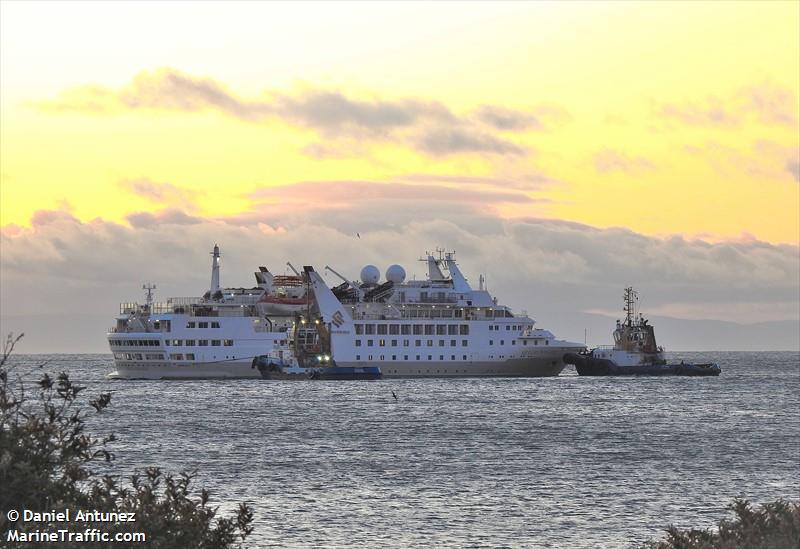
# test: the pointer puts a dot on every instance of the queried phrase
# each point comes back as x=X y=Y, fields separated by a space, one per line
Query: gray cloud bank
x=426 y=126
x=555 y=270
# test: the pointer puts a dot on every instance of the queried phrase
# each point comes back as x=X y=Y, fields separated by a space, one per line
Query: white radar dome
x=370 y=274
x=396 y=274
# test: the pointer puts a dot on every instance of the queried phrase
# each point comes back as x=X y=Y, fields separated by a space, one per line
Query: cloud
x=505 y=119
x=793 y=167
x=555 y=269
x=426 y=126
x=145 y=220
x=772 y=103
x=530 y=182
x=454 y=140
x=609 y=160
x=765 y=103
x=766 y=160
x=161 y=193
x=712 y=112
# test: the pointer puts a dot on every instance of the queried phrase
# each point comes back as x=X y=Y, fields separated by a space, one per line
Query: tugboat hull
x=591 y=366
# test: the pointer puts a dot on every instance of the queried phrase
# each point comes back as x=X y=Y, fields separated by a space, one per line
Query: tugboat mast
x=630 y=304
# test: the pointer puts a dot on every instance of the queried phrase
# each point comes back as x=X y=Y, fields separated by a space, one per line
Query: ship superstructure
x=213 y=336
x=436 y=327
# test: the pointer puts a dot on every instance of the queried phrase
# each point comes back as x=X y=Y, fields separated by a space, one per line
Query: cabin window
x=430 y=357
x=417 y=329
x=441 y=357
x=441 y=330
x=405 y=343
x=463 y=342
x=394 y=329
x=547 y=342
x=405 y=329
x=394 y=343
x=430 y=343
x=381 y=329
x=405 y=357
x=215 y=324
x=382 y=343
x=369 y=343
x=463 y=329
x=190 y=324
x=418 y=343
x=369 y=329
x=429 y=329
x=190 y=342
x=491 y=342
x=524 y=341
x=452 y=329
x=228 y=342
x=215 y=342
x=189 y=356
x=394 y=357
x=202 y=343
x=203 y=324
x=464 y=357
x=452 y=342
x=358 y=343
x=359 y=329
x=441 y=343
x=417 y=357
x=502 y=342
x=452 y=357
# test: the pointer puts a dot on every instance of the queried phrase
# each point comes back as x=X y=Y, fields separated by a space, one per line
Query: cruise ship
x=438 y=326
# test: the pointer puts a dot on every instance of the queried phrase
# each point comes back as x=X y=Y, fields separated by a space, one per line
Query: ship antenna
x=149 y=297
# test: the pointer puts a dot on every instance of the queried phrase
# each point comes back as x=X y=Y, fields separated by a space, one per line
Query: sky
x=564 y=150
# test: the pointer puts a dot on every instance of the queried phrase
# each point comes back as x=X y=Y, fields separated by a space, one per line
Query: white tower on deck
x=215 y=270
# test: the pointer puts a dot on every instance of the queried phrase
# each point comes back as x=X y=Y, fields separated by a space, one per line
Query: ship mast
x=215 y=270
x=630 y=304
x=148 y=299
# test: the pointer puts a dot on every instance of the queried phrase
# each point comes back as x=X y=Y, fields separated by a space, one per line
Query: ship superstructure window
x=202 y=343
x=491 y=342
x=358 y=343
x=369 y=329
x=190 y=324
x=202 y=324
x=405 y=343
x=358 y=357
x=369 y=343
x=463 y=342
x=405 y=329
x=189 y=356
x=215 y=324
x=394 y=329
x=418 y=343
x=502 y=342
x=215 y=342
x=463 y=329
x=547 y=342
x=381 y=329
x=382 y=343
x=452 y=329
x=430 y=343
x=452 y=342
x=429 y=329
x=394 y=343
x=359 y=329
x=464 y=357
x=441 y=343
x=176 y=356
x=228 y=343
x=417 y=329
x=394 y=357
x=441 y=329
x=190 y=342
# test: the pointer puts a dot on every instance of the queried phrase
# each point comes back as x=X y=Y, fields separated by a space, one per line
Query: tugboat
x=634 y=351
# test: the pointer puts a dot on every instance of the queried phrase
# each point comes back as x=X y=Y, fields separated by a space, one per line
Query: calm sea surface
x=554 y=462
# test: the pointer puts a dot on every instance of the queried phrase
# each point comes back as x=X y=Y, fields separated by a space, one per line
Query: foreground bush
x=772 y=526
x=46 y=459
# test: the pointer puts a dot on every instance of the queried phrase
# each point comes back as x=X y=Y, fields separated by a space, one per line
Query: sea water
x=566 y=461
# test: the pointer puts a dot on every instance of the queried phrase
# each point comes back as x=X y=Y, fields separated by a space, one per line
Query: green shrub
x=46 y=459
x=774 y=525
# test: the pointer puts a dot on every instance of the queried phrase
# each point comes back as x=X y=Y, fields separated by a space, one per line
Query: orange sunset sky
x=549 y=137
